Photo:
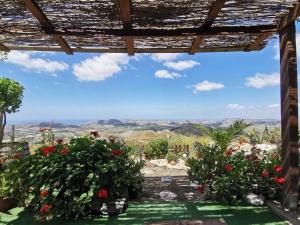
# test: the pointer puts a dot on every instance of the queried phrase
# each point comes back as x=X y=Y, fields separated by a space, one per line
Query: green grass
x=139 y=213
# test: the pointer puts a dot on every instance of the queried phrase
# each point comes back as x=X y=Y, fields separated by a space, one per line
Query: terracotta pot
x=173 y=162
x=6 y=204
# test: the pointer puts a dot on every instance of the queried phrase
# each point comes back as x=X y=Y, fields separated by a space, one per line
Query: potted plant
x=6 y=203
x=172 y=158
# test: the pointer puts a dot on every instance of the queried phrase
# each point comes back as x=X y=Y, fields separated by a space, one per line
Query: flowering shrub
x=156 y=149
x=73 y=179
x=230 y=175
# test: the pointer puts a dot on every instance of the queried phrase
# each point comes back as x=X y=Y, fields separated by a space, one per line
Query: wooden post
x=289 y=116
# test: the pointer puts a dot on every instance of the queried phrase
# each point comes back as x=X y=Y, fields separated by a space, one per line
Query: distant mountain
x=56 y=125
x=114 y=122
x=188 y=129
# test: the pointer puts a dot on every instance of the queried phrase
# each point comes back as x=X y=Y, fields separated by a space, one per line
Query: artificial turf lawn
x=139 y=213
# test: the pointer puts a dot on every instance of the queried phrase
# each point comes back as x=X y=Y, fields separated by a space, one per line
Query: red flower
x=95 y=134
x=117 y=152
x=229 y=152
x=45 y=208
x=102 y=193
x=201 y=188
x=278 y=168
x=64 y=151
x=60 y=141
x=48 y=150
x=265 y=173
x=18 y=155
x=44 y=193
x=228 y=167
x=279 y=180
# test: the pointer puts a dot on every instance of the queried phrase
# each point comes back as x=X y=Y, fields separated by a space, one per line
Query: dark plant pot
x=6 y=204
x=114 y=208
x=133 y=193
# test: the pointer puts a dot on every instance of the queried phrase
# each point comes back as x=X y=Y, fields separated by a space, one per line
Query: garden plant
x=156 y=149
x=228 y=173
x=74 y=179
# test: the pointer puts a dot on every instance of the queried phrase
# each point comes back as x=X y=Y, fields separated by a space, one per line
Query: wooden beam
x=289 y=116
x=198 y=41
x=212 y=15
x=4 y=48
x=125 y=15
x=37 y=12
x=181 y=32
x=290 y=17
x=130 y=45
x=124 y=50
x=124 y=11
x=259 y=42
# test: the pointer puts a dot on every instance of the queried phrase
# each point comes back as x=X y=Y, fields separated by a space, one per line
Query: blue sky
x=146 y=86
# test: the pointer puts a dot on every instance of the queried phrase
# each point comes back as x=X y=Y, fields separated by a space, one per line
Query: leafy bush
x=224 y=136
x=231 y=175
x=172 y=156
x=156 y=149
x=73 y=179
x=258 y=137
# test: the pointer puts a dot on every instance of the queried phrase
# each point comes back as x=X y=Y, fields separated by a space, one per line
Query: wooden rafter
x=46 y=24
x=258 y=44
x=4 y=48
x=180 y=32
x=293 y=14
x=212 y=15
x=124 y=50
x=125 y=15
x=198 y=41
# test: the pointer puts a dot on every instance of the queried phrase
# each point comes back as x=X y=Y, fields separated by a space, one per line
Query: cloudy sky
x=146 y=86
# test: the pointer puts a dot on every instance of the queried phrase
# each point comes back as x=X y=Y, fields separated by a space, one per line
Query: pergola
x=167 y=26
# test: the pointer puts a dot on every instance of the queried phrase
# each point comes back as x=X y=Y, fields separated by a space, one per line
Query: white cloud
x=31 y=62
x=166 y=74
x=207 y=86
x=274 y=106
x=276 y=47
x=101 y=67
x=181 y=65
x=260 y=80
x=164 y=57
x=235 y=106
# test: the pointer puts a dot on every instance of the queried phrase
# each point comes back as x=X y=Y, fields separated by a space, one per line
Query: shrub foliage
x=73 y=179
x=230 y=175
x=156 y=149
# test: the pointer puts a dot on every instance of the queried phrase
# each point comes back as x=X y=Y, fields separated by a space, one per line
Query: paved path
x=179 y=185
